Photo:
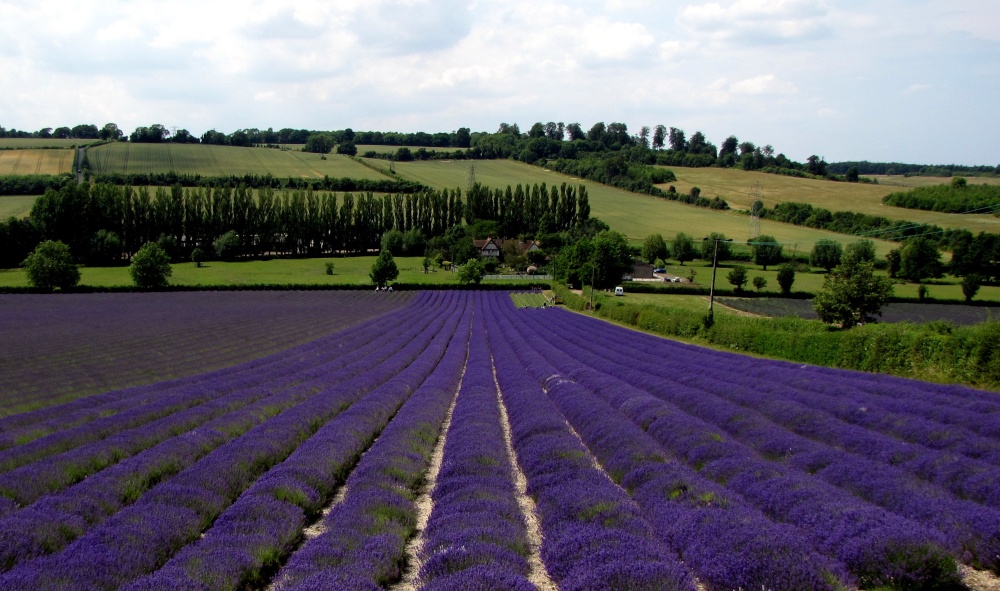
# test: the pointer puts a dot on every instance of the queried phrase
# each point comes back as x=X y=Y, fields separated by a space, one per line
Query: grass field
x=209 y=160
x=362 y=148
x=635 y=215
x=40 y=143
x=22 y=162
x=734 y=186
x=350 y=270
x=18 y=206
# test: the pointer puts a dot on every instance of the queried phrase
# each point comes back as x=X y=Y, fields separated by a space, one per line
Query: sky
x=914 y=81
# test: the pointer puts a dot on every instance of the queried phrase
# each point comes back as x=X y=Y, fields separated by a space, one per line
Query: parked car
x=619 y=291
x=659 y=270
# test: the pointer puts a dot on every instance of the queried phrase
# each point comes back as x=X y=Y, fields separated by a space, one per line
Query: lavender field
x=449 y=441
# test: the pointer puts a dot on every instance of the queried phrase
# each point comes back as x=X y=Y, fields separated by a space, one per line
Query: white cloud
x=759 y=21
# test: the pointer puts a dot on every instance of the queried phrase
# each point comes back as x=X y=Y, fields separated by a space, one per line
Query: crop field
x=735 y=185
x=893 y=312
x=18 y=143
x=23 y=162
x=454 y=441
x=209 y=160
x=58 y=348
x=632 y=214
x=18 y=206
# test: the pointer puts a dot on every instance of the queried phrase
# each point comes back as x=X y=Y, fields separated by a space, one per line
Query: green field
x=211 y=161
x=42 y=143
x=635 y=215
x=27 y=161
x=381 y=149
x=350 y=270
x=18 y=206
x=735 y=185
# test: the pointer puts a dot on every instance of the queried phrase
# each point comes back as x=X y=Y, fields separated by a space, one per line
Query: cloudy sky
x=882 y=80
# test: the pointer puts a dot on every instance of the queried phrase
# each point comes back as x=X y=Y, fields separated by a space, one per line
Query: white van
x=619 y=291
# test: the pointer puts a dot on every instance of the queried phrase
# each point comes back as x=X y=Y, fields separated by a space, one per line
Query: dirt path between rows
x=537 y=573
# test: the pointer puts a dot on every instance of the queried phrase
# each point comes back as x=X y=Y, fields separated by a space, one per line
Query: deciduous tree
x=150 y=266
x=384 y=269
x=766 y=251
x=52 y=266
x=852 y=294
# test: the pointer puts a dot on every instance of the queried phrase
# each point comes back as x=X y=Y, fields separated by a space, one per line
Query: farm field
x=58 y=348
x=311 y=271
x=635 y=215
x=25 y=162
x=209 y=160
x=18 y=206
x=457 y=442
x=893 y=312
x=20 y=143
x=734 y=186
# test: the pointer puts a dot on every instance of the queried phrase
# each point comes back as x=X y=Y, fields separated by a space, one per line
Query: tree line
x=956 y=197
x=105 y=224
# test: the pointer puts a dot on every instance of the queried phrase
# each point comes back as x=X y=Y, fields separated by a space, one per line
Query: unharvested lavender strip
x=594 y=535
x=255 y=533
x=31 y=425
x=727 y=543
x=26 y=484
x=476 y=520
x=879 y=547
x=143 y=536
x=159 y=400
x=365 y=537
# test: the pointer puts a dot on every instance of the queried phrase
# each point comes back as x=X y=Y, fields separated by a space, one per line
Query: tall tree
x=766 y=250
x=659 y=137
x=852 y=294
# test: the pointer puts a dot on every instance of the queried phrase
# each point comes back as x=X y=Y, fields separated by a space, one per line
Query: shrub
x=150 y=266
x=51 y=266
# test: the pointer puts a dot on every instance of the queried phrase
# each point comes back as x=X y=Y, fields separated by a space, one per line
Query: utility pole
x=715 y=262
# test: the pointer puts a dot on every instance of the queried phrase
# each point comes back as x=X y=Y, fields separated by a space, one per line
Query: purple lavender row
x=879 y=547
x=593 y=534
x=973 y=531
x=727 y=543
x=26 y=484
x=143 y=536
x=146 y=404
x=951 y=405
x=255 y=534
x=54 y=521
x=20 y=429
x=50 y=524
x=802 y=411
x=364 y=540
x=476 y=520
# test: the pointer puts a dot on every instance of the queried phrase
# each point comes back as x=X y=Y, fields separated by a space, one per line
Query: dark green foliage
x=682 y=248
x=970 y=286
x=347 y=148
x=955 y=197
x=826 y=253
x=601 y=260
x=786 y=277
x=708 y=247
x=860 y=251
x=852 y=294
x=32 y=184
x=919 y=259
x=198 y=256
x=472 y=271
x=654 y=247
x=393 y=242
x=227 y=246
x=319 y=143
x=737 y=277
x=51 y=266
x=150 y=267
x=759 y=283
x=766 y=251
x=329 y=267
x=384 y=269
x=105 y=248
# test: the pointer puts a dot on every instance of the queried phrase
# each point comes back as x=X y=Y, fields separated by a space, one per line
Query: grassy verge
x=936 y=352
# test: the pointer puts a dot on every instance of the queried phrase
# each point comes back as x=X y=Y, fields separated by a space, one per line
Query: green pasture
x=635 y=215
x=530 y=300
x=37 y=161
x=911 y=182
x=381 y=149
x=735 y=187
x=347 y=270
x=18 y=206
x=212 y=161
x=18 y=143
